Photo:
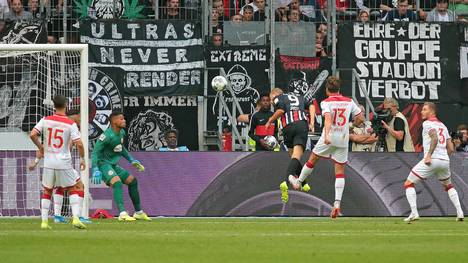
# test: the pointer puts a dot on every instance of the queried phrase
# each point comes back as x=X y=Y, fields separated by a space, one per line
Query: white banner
x=463 y=62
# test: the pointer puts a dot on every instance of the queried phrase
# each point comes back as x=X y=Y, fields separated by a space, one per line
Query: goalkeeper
x=106 y=155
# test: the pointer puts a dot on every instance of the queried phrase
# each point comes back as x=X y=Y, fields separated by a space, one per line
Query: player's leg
x=132 y=183
x=288 y=141
x=445 y=179
x=58 y=203
x=419 y=172
x=112 y=179
x=48 y=181
x=295 y=166
x=339 y=188
x=71 y=180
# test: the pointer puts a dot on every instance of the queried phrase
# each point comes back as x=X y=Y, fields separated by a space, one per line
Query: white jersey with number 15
x=58 y=132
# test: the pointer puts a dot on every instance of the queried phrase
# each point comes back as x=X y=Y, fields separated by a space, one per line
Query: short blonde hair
x=276 y=91
x=392 y=101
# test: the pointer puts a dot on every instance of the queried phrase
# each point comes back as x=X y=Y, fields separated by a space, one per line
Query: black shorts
x=296 y=134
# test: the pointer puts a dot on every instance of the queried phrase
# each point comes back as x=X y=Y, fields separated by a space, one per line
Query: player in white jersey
x=334 y=142
x=58 y=132
x=437 y=146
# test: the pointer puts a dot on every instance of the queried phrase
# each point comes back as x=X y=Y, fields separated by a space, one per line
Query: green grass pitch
x=224 y=240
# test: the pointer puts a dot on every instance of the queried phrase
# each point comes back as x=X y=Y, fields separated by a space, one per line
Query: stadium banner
x=407 y=61
x=464 y=62
x=23 y=32
x=148 y=118
x=246 y=69
x=147 y=58
x=246 y=184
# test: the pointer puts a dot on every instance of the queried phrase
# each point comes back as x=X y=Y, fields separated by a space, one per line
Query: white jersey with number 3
x=440 y=151
x=341 y=109
x=58 y=133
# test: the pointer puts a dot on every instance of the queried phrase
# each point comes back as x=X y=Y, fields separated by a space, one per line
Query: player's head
x=117 y=119
x=429 y=110
x=275 y=93
x=60 y=102
x=391 y=104
x=74 y=114
x=332 y=85
x=264 y=102
x=171 y=138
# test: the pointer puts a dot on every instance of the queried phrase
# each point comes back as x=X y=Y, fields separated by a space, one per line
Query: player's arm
x=278 y=113
x=434 y=141
x=137 y=164
x=35 y=135
x=311 y=116
x=450 y=146
x=327 y=127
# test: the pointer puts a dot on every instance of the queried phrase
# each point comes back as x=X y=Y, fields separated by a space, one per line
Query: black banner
x=406 y=61
x=23 y=32
x=245 y=69
x=149 y=117
x=157 y=58
x=303 y=75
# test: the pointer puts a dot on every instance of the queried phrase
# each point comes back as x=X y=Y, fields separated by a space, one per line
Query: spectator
x=217 y=40
x=252 y=4
x=237 y=19
x=319 y=50
x=294 y=15
x=281 y=14
x=363 y=137
x=363 y=15
x=4 y=9
x=248 y=13
x=33 y=8
x=259 y=15
x=173 y=11
x=216 y=26
x=17 y=11
x=441 y=14
x=222 y=12
x=402 y=13
x=461 y=143
x=398 y=136
x=258 y=119
x=51 y=39
x=171 y=137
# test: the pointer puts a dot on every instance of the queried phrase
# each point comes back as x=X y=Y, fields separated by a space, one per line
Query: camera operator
x=460 y=138
x=398 y=136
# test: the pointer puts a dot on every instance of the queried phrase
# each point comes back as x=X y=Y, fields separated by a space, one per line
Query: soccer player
x=291 y=108
x=106 y=155
x=73 y=114
x=437 y=146
x=333 y=142
x=58 y=133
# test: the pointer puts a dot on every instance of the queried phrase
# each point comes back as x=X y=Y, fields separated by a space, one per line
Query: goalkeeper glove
x=97 y=176
x=138 y=165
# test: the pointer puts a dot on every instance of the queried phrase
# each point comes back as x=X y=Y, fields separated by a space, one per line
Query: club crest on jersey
x=104 y=97
x=118 y=148
x=110 y=172
x=102 y=137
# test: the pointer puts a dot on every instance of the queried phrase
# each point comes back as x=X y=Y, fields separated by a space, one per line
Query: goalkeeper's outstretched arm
x=97 y=151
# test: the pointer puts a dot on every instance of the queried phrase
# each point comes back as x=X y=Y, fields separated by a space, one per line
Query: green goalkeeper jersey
x=109 y=148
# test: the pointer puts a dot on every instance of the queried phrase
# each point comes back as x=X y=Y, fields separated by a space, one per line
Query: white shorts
x=59 y=178
x=337 y=154
x=438 y=167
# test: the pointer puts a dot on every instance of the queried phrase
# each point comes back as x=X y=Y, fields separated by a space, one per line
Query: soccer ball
x=219 y=83
x=271 y=141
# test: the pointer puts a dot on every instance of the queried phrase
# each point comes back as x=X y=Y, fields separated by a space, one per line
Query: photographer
x=363 y=137
x=398 y=138
x=460 y=138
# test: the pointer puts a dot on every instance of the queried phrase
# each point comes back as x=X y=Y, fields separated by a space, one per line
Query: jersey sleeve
x=39 y=126
x=325 y=106
x=355 y=110
x=98 y=148
x=74 y=132
x=279 y=103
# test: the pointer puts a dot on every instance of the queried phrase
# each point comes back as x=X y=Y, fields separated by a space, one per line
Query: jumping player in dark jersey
x=294 y=124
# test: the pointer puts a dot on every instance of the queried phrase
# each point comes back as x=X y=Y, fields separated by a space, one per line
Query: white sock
x=306 y=171
x=453 y=195
x=45 y=205
x=411 y=196
x=58 y=202
x=339 y=187
x=75 y=204
x=80 y=206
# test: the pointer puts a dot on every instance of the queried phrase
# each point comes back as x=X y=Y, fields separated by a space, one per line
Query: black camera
x=380 y=115
x=456 y=135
